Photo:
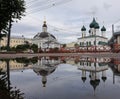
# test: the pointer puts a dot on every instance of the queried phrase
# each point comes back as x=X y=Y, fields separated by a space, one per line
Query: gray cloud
x=66 y=20
x=107 y=6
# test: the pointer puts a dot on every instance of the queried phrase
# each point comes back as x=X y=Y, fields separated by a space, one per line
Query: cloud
x=65 y=20
x=107 y=6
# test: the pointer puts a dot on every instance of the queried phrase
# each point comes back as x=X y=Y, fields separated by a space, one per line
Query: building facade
x=96 y=39
x=45 y=40
x=14 y=41
x=114 y=42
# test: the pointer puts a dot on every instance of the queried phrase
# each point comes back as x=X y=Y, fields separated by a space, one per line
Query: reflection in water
x=6 y=90
x=93 y=66
x=17 y=63
x=115 y=67
x=44 y=67
x=93 y=72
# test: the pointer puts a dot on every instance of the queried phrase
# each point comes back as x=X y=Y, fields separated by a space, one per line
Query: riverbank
x=110 y=55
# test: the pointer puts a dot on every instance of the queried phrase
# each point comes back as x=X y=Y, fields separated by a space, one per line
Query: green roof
x=103 y=29
x=94 y=24
x=83 y=28
x=102 y=64
x=102 y=43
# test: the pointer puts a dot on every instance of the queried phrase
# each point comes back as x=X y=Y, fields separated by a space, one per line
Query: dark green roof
x=104 y=78
x=94 y=24
x=102 y=64
x=83 y=79
x=83 y=28
x=103 y=29
x=102 y=43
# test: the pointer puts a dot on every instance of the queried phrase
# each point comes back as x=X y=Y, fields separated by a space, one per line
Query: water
x=60 y=78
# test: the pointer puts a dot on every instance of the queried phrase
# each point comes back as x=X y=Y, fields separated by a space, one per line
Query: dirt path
x=111 y=55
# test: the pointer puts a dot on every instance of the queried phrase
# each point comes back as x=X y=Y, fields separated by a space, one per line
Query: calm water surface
x=61 y=78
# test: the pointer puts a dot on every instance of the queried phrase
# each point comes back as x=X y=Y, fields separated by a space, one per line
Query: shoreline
x=19 y=55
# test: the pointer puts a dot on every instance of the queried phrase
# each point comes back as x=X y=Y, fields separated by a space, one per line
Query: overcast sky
x=66 y=17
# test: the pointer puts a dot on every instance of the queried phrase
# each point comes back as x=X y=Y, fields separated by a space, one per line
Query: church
x=95 y=40
x=45 y=40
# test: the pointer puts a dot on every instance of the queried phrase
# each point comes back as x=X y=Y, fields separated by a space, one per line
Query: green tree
x=64 y=45
x=34 y=47
x=6 y=89
x=10 y=11
x=3 y=15
x=76 y=45
x=17 y=9
x=1 y=36
x=22 y=47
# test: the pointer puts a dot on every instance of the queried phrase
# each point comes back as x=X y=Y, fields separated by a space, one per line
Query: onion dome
x=44 y=25
x=94 y=83
x=94 y=24
x=44 y=83
x=83 y=28
x=103 y=29
x=44 y=34
x=83 y=79
x=104 y=78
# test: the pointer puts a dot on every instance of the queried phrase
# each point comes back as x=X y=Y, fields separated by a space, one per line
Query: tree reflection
x=6 y=90
x=26 y=60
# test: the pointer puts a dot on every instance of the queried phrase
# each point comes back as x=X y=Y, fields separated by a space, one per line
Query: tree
x=1 y=36
x=17 y=9
x=6 y=89
x=3 y=19
x=64 y=45
x=34 y=47
x=76 y=45
x=11 y=10
x=22 y=47
x=3 y=15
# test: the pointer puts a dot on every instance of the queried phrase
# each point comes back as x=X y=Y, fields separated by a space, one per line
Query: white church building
x=95 y=40
x=45 y=40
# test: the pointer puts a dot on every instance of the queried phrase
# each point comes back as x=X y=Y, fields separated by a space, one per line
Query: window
x=94 y=43
x=89 y=43
x=80 y=43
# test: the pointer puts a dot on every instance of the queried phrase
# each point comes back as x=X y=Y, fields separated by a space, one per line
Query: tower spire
x=44 y=19
x=44 y=27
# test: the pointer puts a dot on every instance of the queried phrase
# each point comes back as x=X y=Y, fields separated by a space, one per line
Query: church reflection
x=96 y=69
x=45 y=66
x=92 y=70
